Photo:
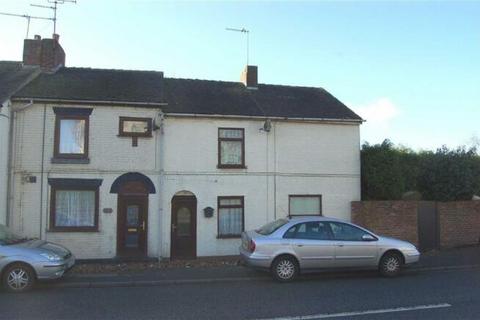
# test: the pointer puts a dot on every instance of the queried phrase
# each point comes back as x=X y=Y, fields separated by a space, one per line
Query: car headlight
x=51 y=256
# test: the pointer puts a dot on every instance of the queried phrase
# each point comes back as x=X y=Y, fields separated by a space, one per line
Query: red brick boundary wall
x=459 y=223
x=396 y=219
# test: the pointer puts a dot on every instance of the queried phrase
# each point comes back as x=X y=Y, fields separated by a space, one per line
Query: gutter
x=219 y=116
x=97 y=102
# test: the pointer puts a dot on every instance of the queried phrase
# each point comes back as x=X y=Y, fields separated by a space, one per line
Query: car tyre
x=18 y=278
x=390 y=264
x=285 y=269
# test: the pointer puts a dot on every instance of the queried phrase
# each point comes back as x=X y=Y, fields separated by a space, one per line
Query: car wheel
x=285 y=268
x=18 y=277
x=390 y=264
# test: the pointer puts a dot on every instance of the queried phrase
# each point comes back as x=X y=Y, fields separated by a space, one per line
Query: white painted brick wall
x=294 y=158
x=311 y=158
x=110 y=156
x=4 y=136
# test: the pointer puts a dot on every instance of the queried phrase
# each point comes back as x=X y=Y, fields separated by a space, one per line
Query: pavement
x=451 y=259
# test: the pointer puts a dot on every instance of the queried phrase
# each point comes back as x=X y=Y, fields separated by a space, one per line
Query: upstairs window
x=135 y=127
x=305 y=205
x=231 y=148
x=71 y=132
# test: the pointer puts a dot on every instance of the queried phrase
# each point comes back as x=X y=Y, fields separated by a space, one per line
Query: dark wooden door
x=184 y=227
x=428 y=231
x=132 y=225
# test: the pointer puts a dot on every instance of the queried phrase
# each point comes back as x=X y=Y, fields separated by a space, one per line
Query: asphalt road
x=422 y=295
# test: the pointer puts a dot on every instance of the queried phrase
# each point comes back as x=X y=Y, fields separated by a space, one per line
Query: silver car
x=23 y=261
x=288 y=246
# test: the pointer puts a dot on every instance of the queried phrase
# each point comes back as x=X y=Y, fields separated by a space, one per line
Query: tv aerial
x=26 y=16
x=244 y=31
x=54 y=7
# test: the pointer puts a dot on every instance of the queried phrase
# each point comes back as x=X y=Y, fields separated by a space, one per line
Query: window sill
x=70 y=161
x=230 y=236
x=225 y=166
x=73 y=229
x=125 y=135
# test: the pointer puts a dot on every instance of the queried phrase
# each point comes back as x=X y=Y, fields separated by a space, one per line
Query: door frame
x=121 y=206
x=174 y=203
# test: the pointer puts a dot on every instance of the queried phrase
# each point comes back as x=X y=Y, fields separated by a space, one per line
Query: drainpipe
x=11 y=158
x=42 y=170
x=160 y=146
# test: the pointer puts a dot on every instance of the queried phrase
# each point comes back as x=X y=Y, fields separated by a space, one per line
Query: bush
x=444 y=175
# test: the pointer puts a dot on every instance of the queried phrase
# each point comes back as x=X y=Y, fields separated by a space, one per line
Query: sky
x=411 y=69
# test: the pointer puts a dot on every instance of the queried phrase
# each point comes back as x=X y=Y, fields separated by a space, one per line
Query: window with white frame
x=230 y=216
x=301 y=205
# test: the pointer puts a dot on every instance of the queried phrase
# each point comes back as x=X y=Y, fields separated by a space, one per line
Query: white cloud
x=379 y=114
x=381 y=111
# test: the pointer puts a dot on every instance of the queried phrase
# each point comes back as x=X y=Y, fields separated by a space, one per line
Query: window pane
x=230 y=221
x=305 y=205
x=74 y=208
x=311 y=231
x=230 y=152
x=184 y=222
x=230 y=202
x=72 y=136
x=342 y=231
x=135 y=126
x=231 y=133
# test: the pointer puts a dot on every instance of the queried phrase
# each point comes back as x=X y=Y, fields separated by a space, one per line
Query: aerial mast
x=54 y=7
x=247 y=33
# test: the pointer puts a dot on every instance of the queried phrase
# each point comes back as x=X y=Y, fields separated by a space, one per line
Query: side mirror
x=368 y=237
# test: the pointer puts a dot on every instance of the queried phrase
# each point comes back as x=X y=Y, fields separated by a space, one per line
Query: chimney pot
x=37 y=37
x=56 y=37
x=250 y=77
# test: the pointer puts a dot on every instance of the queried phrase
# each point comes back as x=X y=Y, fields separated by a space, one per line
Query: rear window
x=271 y=227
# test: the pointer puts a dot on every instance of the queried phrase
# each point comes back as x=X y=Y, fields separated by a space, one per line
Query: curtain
x=305 y=205
x=230 y=221
x=74 y=208
x=72 y=136
x=231 y=152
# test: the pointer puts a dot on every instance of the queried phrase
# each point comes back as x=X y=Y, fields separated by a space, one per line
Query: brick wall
x=459 y=223
x=396 y=219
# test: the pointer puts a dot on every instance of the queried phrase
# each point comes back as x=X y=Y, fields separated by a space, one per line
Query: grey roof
x=187 y=96
x=13 y=76
x=96 y=85
x=232 y=98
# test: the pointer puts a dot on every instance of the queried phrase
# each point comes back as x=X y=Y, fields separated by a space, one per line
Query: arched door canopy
x=130 y=177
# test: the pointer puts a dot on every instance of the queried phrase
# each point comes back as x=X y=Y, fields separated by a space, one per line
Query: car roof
x=314 y=218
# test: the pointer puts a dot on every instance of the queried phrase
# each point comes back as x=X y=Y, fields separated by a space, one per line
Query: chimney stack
x=48 y=54
x=250 y=77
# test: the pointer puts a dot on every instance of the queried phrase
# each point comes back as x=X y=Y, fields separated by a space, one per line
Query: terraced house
x=126 y=163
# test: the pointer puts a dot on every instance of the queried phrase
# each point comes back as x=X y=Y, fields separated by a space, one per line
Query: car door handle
x=340 y=245
x=299 y=245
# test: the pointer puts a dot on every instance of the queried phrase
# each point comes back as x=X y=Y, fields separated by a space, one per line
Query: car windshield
x=8 y=237
x=271 y=227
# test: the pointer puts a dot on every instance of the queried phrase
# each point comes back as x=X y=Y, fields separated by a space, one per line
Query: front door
x=184 y=227
x=132 y=225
